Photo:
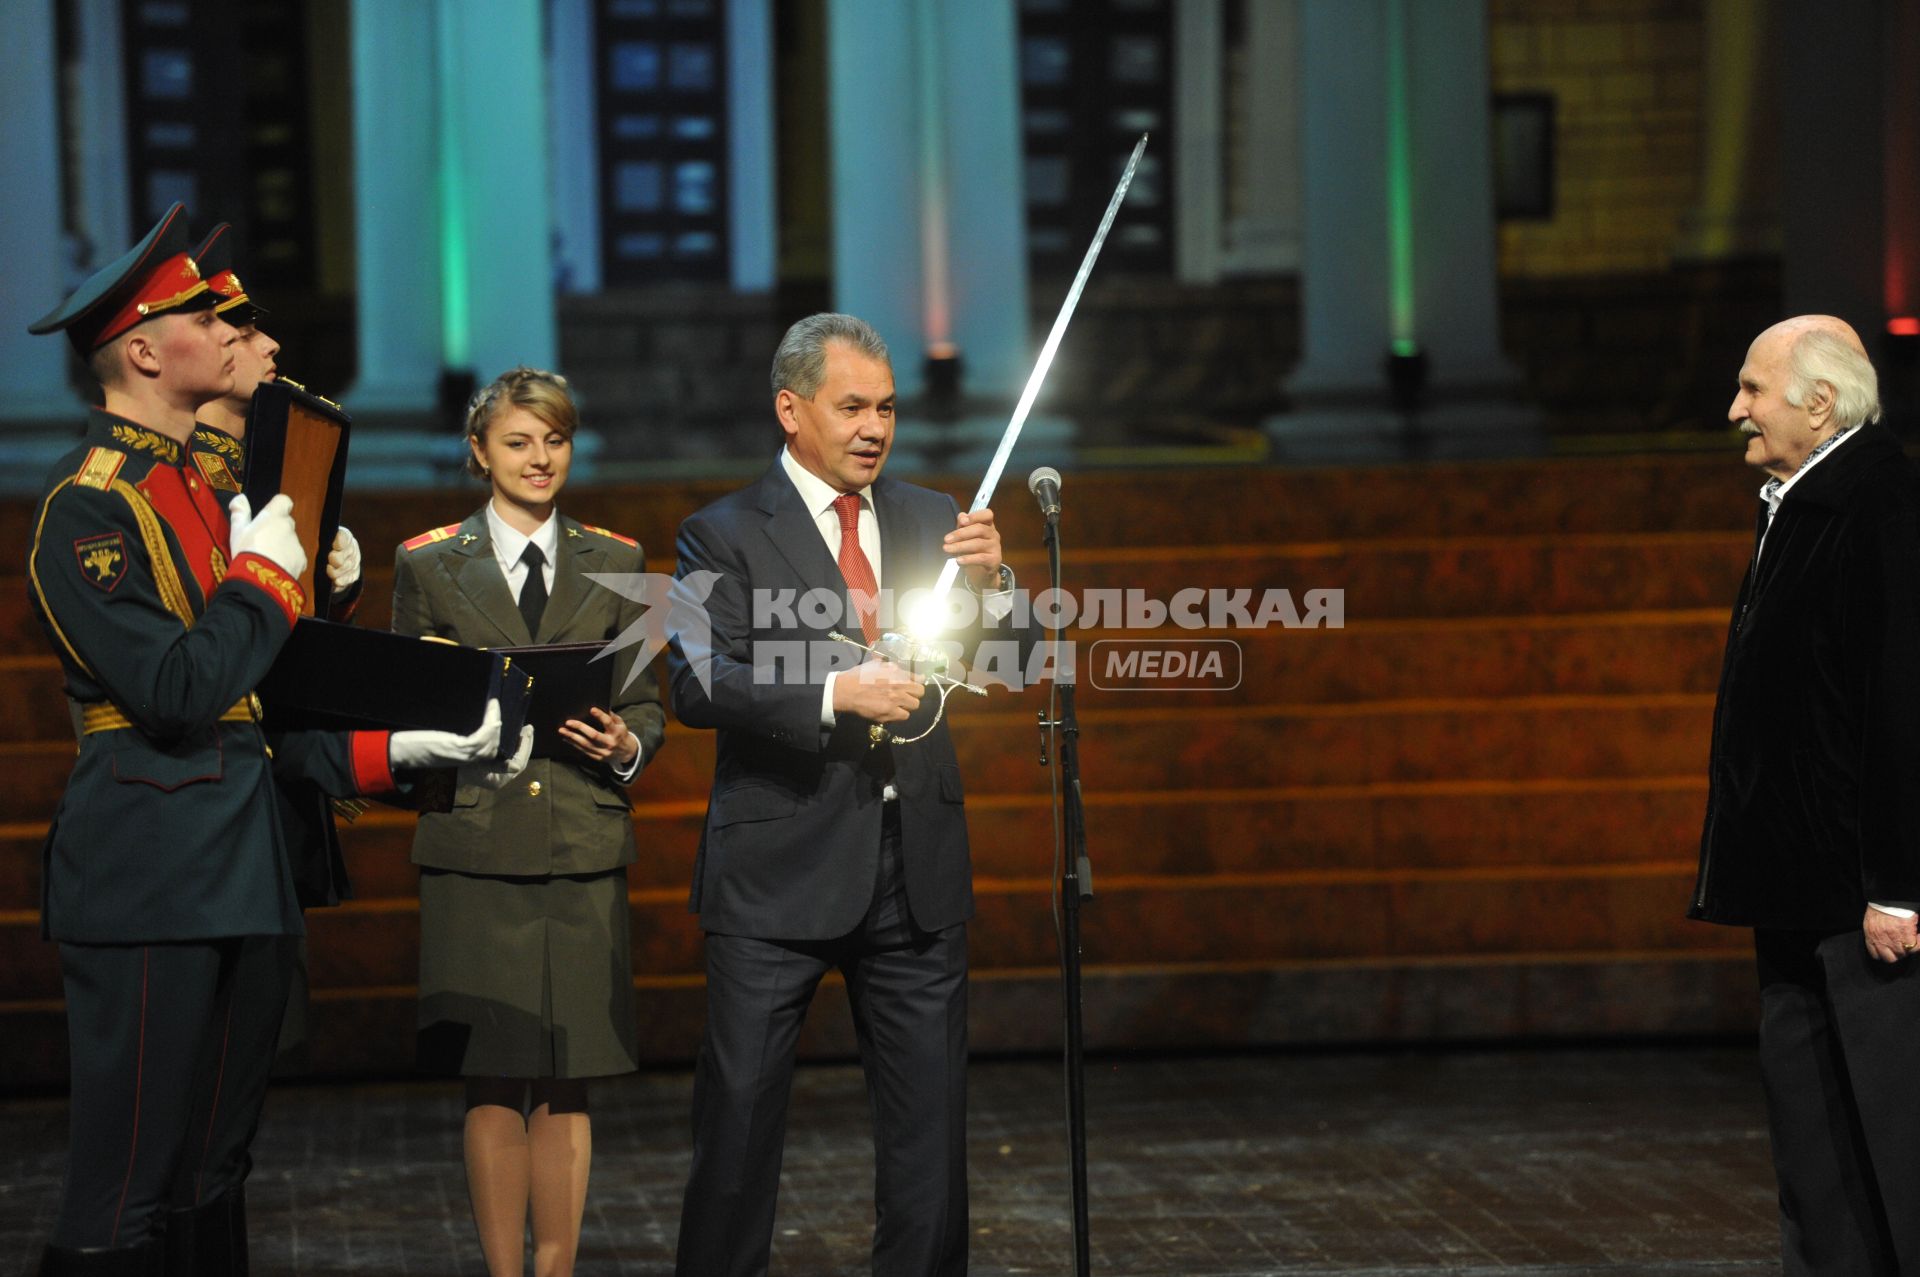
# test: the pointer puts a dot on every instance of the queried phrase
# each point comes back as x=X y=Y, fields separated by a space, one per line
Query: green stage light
x=1399 y=184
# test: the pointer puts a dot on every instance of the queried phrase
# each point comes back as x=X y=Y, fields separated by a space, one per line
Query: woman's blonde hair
x=542 y=393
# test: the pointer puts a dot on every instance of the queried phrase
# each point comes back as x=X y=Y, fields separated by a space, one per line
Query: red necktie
x=855 y=568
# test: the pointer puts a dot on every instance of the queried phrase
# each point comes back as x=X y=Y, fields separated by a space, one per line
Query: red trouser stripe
x=213 y=1118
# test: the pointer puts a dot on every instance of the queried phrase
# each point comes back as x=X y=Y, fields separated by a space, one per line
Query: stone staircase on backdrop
x=1471 y=812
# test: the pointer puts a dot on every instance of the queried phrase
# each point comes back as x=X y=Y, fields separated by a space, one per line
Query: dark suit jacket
x=1812 y=809
x=792 y=839
x=556 y=817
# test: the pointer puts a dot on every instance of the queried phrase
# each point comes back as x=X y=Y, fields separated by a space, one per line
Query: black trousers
x=169 y=1049
x=908 y=991
x=1839 y=1033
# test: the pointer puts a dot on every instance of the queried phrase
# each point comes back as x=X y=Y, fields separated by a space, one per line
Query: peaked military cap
x=215 y=258
x=157 y=276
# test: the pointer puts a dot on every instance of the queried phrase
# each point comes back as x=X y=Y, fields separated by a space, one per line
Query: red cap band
x=175 y=283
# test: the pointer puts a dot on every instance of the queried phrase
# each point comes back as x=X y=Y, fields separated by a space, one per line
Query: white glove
x=492 y=775
x=446 y=749
x=343 y=565
x=269 y=534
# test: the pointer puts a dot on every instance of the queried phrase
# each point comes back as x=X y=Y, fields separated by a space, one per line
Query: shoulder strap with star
x=431 y=538
x=612 y=536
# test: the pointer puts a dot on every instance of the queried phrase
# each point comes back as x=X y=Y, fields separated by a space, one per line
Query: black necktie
x=533 y=595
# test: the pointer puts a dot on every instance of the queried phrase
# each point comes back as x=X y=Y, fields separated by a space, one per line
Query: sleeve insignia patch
x=102 y=559
x=100 y=468
x=428 y=538
x=615 y=536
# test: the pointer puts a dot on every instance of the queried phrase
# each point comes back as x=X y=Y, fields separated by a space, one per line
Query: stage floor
x=1635 y=1161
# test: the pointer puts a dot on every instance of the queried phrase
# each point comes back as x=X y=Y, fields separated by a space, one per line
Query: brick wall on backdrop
x=1626 y=80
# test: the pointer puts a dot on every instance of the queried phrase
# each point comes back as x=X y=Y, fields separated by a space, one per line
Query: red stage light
x=1904 y=326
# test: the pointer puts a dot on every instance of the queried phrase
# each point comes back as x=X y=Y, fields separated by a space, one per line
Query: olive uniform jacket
x=168 y=829
x=556 y=817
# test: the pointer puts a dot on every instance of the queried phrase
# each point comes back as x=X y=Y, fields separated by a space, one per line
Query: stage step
x=1630 y=654
x=1382 y=580
x=1132 y=743
x=1196 y=832
x=1190 y=507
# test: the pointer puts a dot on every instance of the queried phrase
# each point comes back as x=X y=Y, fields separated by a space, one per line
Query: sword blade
x=1045 y=362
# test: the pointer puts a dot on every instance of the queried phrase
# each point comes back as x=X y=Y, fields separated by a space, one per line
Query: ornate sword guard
x=923 y=660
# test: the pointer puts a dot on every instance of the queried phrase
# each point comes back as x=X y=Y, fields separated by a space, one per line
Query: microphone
x=1044 y=484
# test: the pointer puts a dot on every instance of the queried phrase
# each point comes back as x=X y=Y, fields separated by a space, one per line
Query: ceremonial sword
x=937 y=600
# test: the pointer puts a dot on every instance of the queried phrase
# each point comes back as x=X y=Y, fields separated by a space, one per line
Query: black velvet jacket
x=1813 y=805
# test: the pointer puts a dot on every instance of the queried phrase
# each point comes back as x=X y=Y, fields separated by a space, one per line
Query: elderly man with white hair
x=1813 y=815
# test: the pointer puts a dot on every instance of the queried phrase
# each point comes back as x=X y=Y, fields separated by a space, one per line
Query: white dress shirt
x=818 y=496
x=510 y=543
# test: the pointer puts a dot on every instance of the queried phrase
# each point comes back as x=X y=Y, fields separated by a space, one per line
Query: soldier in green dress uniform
x=165 y=877
x=220 y=433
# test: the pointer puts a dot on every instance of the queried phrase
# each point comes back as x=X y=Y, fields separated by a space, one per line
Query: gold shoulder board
x=100 y=468
x=615 y=536
x=428 y=538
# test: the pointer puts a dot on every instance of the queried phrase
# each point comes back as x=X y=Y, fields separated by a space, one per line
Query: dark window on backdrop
x=218 y=118
x=1094 y=76
x=662 y=97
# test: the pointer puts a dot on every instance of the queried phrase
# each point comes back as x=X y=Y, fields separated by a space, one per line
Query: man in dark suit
x=1813 y=821
x=823 y=848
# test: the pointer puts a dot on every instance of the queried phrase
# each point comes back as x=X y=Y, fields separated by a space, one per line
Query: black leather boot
x=179 y=1243
x=219 y=1238
x=143 y=1260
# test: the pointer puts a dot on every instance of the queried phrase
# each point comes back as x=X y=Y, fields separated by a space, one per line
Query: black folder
x=337 y=677
x=567 y=682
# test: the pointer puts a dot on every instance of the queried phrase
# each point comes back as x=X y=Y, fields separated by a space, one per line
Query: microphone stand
x=1076 y=885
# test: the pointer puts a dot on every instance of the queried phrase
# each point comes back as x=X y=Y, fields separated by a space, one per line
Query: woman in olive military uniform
x=526 y=984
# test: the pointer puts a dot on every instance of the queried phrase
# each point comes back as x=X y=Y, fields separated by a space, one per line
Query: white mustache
x=1748 y=428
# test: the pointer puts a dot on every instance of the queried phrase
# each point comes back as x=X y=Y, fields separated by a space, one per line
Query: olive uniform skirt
x=526 y=977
